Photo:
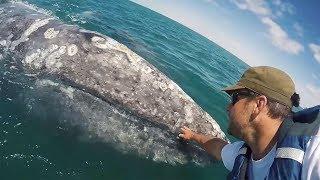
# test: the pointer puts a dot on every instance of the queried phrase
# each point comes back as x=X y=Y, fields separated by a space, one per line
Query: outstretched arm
x=211 y=145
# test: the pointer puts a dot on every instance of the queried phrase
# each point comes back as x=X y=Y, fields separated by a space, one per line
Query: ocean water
x=36 y=145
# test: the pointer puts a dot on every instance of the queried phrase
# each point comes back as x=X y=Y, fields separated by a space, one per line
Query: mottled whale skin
x=100 y=67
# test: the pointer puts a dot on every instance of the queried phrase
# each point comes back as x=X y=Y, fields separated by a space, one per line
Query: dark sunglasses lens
x=234 y=98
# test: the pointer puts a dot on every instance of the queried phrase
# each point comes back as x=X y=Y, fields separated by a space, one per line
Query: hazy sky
x=278 y=33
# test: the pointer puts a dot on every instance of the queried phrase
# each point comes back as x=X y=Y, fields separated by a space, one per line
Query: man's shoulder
x=229 y=153
x=237 y=143
x=232 y=149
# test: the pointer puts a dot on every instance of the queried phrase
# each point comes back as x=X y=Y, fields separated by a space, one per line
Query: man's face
x=239 y=112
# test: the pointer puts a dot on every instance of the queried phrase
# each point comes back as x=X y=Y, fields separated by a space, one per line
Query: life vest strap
x=290 y=153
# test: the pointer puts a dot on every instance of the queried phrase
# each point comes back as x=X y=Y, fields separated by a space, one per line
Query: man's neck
x=263 y=137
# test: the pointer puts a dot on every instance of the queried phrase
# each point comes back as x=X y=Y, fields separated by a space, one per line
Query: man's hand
x=211 y=145
x=186 y=133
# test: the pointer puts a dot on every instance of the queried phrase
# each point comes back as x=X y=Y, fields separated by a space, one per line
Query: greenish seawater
x=34 y=144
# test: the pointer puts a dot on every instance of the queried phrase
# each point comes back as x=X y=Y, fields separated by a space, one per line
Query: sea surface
x=34 y=146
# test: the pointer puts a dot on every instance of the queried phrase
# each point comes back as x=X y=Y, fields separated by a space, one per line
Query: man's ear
x=261 y=103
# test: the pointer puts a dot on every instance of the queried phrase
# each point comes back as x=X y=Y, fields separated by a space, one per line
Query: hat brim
x=233 y=88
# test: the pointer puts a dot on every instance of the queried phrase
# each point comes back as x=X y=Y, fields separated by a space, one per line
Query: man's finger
x=186 y=128
x=183 y=129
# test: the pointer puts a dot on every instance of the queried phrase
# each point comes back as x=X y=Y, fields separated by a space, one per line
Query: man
x=275 y=144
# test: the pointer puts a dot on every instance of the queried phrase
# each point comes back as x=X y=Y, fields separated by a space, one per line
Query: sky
x=279 y=33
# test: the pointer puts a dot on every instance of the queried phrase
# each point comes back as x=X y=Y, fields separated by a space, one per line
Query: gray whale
x=116 y=94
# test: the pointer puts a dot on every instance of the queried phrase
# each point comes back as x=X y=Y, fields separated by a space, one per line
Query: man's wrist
x=193 y=136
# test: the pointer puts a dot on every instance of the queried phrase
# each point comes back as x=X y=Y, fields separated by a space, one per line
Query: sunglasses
x=236 y=96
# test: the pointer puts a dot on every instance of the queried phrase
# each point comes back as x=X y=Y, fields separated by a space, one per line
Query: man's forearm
x=211 y=145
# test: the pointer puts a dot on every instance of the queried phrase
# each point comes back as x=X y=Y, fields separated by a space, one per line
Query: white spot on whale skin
x=188 y=114
x=97 y=38
x=50 y=33
x=62 y=50
x=68 y=91
x=52 y=62
x=34 y=26
x=46 y=82
x=3 y=43
x=50 y=58
x=109 y=43
x=29 y=59
x=10 y=37
x=102 y=43
x=35 y=59
x=72 y=49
